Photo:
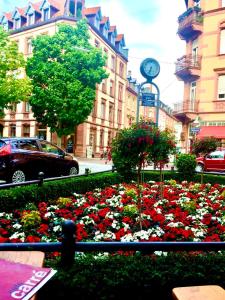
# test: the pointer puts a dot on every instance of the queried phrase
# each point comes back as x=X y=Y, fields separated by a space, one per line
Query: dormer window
x=17 y=23
x=5 y=26
x=30 y=19
x=46 y=14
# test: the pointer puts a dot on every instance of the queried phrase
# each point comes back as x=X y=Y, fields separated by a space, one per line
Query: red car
x=214 y=161
x=22 y=159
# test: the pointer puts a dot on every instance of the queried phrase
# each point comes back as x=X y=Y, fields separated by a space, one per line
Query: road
x=94 y=164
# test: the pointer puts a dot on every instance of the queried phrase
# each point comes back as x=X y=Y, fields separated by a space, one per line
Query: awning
x=215 y=131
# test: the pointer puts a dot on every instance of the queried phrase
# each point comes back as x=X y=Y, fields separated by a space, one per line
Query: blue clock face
x=150 y=68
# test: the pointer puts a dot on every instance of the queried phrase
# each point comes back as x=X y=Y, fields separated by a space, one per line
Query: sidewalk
x=94 y=161
x=103 y=161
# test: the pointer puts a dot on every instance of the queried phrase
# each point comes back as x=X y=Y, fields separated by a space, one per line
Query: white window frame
x=17 y=23
x=30 y=19
x=47 y=11
x=221 y=87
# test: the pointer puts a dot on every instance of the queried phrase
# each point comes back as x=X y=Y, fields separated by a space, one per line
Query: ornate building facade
x=39 y=18
x=202 y=69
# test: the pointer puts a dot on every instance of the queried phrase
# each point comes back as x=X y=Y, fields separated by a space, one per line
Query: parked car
x=214 y=161
x=22 y=159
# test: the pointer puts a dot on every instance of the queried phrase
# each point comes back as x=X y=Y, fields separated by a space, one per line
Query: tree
x=64 y=70
x=140 y=144
x=205 y=145
x=14 y=85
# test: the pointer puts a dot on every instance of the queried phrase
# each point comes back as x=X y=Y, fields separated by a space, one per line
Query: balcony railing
x=188 y=67
x=190 y=23
x=186 y=106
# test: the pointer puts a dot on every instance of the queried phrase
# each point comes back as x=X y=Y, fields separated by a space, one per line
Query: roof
x=91 y=10
x=104 y=20
x=119 y=37
x=215 y=131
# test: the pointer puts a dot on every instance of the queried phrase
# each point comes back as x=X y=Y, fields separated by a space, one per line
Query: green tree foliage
x=186 y=164
x=205 y=145
x=14 y=85
x=140 y=144
x=64 y=70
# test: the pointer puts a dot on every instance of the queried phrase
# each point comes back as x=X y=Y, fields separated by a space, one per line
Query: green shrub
x=186 y=164
x=140 y=277
x=20 y=197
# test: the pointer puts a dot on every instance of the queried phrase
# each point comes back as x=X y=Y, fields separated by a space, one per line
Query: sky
x=150 y=30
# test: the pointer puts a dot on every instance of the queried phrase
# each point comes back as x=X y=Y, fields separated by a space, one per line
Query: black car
x=22 y=159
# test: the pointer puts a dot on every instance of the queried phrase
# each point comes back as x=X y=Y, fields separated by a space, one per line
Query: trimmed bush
x=186 y=164
x=133 y=277
x=18 y=197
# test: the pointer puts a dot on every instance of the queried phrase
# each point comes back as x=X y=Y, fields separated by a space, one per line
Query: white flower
x=18 y=235
x=57 y=228
x=17 y=226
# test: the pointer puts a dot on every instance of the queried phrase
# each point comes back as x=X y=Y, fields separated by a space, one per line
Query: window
x=221 y=87
x=222 y=41
x=111 y=112
x=5 y=26
x=97 y=44
x=14 y=107
x=30 y=19
x=27 y=106
x=12 y=132
x=120 y=93
x=197 y=3
x=106 y=56
x=46 y=14
x=121 y=70
x=29 y=46
x=119 y=116
x=223 y=3
x=192 y=96
x=17 y=23
x=111 y=88
x=104 y=85
x=195 y=51
x=102 y=116
x=113 y=63
x=101 y=138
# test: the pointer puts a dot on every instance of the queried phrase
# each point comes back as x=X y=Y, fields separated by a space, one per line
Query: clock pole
x=149 y=69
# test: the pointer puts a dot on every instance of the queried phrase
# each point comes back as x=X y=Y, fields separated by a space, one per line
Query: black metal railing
x=68 y=247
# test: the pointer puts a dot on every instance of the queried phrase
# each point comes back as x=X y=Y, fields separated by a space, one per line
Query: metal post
x=157 y=103
x=41 y=178
x=68 y=243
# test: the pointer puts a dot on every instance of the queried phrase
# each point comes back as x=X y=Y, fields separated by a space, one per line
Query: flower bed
x=184 y=212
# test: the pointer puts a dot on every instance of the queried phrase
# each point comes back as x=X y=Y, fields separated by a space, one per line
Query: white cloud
x=151 y=37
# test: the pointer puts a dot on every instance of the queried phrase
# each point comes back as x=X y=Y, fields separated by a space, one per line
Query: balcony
x=188 y=67
x=186 y=111
x=190 y=24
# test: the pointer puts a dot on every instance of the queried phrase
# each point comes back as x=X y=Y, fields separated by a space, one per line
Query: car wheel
x=73 y=171
x=18 y=176
x=199 y=168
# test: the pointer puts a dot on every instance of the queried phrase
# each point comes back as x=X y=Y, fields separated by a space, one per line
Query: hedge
x=134 y=277
x=18 y=197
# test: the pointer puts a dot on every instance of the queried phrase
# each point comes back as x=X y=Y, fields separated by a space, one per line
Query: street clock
x=150 y=68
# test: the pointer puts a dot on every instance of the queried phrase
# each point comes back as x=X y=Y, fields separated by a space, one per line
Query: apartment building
x=93 y=136
x=202 y=69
